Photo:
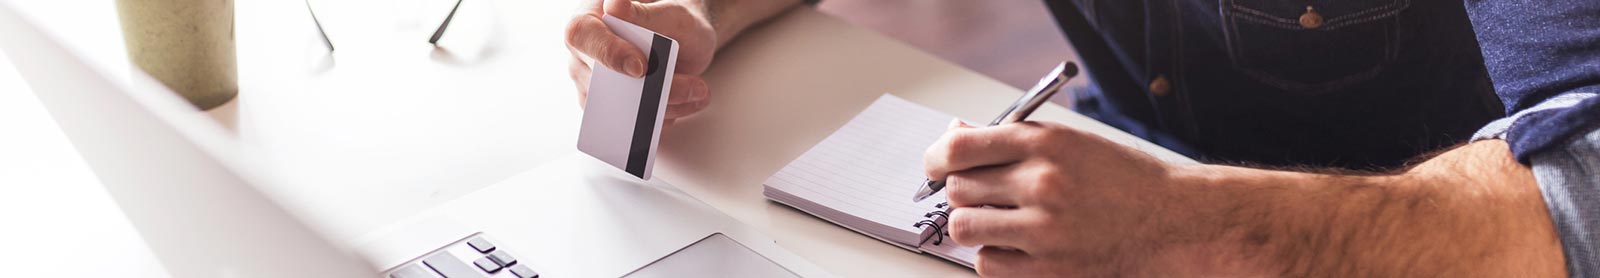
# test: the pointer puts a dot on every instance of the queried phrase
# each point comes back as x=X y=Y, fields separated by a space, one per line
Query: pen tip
x=922 y=194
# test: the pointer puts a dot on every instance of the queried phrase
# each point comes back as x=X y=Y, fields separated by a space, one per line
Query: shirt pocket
x=1311 y=47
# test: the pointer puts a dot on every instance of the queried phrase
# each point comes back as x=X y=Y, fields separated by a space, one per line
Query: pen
x=1019 y=110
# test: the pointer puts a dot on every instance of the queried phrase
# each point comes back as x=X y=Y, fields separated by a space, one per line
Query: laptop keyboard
x=473 y=257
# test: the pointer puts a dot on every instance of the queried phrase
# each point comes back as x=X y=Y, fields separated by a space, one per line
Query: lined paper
x=863 y=176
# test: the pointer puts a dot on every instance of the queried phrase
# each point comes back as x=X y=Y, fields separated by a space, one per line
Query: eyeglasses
x=432 y=40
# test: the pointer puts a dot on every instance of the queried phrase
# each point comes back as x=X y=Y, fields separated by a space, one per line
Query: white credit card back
x=622 y=116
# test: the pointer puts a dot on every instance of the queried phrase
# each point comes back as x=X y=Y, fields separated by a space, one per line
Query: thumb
x=957 y=123
x=627 y=10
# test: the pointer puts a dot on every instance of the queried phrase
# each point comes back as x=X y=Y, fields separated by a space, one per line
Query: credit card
x=622 y=116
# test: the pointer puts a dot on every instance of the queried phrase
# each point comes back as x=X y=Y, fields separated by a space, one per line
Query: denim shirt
x=1350 y=84
x=1374 y=83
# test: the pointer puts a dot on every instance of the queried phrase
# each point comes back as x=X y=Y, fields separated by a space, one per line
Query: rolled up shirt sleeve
x=1569 y=179
x=1544 y=59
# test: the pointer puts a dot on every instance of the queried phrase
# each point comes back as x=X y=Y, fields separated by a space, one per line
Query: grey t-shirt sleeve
x=1569 y=178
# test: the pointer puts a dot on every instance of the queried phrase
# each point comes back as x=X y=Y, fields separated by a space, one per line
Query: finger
x=966 y=148
x=674 y=19
x=1002 y=262
x=578 y=70
x=973 y=226
x=589 y=36
x=688 y=88
x=585 y=7
x=988 y=186
x=591 y=7
x=629 y=11
x=580 y=79
x=957 y=123
x=675 y=111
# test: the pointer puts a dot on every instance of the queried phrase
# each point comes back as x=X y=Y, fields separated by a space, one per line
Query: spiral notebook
x=863 y=176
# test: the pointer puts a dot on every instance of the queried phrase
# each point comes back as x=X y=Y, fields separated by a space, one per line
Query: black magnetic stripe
x=649 y=100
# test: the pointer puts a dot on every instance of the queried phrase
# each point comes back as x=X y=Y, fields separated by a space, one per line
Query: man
x=1359 y=85
x=1026 y=192
x=1047 y=199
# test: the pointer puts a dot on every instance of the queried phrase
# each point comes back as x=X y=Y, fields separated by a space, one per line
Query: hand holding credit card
x=623 y=115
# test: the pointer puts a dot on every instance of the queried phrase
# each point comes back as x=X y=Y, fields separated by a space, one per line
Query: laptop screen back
x=165 y=166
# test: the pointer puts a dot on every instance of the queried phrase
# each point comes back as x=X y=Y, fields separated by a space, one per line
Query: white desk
x=390 y=126
x=786 y=86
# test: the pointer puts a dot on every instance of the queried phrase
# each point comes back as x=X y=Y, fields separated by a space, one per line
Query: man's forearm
x=729 y=18
x=1471 y=211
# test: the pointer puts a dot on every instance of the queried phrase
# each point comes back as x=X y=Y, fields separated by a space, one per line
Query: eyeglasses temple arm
x=442 y=26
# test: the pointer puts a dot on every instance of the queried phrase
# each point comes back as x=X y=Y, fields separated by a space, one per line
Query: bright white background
x=423 y=139
x=55 y=219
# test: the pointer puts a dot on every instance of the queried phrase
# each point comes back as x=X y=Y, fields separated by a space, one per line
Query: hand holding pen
x=1018 y=111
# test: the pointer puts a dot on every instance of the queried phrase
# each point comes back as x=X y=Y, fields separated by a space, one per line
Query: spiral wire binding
x=938 y=229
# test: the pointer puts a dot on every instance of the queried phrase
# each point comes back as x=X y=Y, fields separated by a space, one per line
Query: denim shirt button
x=1160 y=86
x=1311 y=19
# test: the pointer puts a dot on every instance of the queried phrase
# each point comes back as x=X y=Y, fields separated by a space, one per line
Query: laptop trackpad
x=713 y=256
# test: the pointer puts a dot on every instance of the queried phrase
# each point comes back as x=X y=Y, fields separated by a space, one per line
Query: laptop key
x=451 y=267
x=487 y=265
x=480 y=244
x=414 y=271
x=500 y=256
x=522 y=271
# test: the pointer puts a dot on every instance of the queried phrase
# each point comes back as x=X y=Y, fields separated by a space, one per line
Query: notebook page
x=949 y=250
x=868 y=170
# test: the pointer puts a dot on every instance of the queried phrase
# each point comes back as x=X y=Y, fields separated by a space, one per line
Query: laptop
x=179 y=178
